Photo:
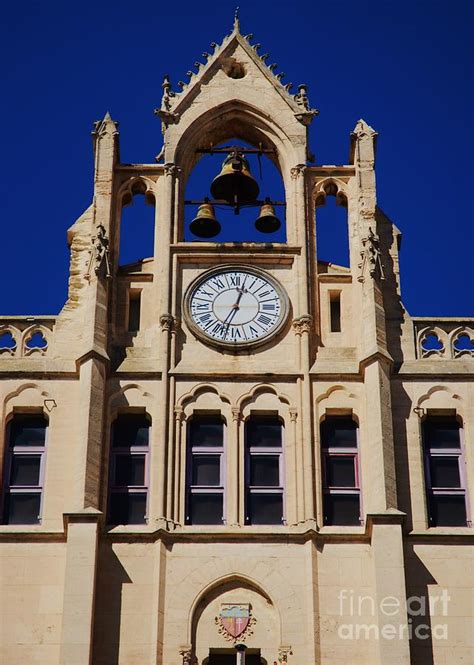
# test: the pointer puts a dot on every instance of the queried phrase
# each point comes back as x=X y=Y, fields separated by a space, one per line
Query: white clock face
x=236 y=306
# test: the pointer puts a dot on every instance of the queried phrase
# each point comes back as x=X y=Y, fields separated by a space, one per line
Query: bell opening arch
x=236 y=120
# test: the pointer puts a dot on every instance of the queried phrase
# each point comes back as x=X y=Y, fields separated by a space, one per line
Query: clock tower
x=233 y=451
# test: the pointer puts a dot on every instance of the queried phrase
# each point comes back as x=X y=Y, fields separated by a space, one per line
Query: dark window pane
x=206 y=431
x=335 y=306
x=445 y=472
x=263 y=431
x=130 y=430
x=265 y=470
x=130 y=470
x=206 y=470
x=340 y=471
x=341 y=509
x=205 y=508
x=448 y=511
x=22 y=508
x=265 y=508
x=134 y=312
x=25 y=470
x=441 y=433
x=127 y=508
x=338 y=432
x=28 y=431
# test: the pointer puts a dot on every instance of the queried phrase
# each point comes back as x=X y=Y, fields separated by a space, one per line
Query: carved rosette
x=302 y=324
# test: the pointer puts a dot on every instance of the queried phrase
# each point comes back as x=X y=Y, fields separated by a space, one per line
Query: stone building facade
x=169 y=494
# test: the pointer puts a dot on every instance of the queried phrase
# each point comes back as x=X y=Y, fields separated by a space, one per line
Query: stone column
x=296 y=496
x=167 y=323
x=179 y=466
x=302 y=328
x=79 y=587
x=235 y=472
x=377 y=446
x=92 y=387
x=163 y=274
x=390 y=590
x=241 y=649
x=377 y=450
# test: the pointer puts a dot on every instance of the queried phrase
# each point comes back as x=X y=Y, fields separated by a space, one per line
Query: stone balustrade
x=22 y=336
x=445 y=338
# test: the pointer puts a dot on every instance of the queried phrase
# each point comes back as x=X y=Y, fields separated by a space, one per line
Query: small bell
x=205 y=224
x=267 y=221
x=235 y=184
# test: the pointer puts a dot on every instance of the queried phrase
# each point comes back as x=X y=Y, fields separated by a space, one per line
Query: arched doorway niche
x=237 y=120
x=264 y=636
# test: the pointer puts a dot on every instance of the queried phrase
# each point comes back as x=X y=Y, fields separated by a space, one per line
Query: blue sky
x=406 y=67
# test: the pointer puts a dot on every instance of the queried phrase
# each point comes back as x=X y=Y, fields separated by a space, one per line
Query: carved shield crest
x=235 y=620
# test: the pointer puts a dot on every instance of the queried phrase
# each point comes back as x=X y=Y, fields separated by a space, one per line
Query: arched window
x=332 y=232
x=340 y=466
x=264 y=470
x=129 y=469
x=24 y=469
x=205 y=470
x=137 y=226
x=445 y=471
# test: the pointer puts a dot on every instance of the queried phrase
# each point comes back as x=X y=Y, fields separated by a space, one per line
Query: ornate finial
x=102 y=126
x=236 y=19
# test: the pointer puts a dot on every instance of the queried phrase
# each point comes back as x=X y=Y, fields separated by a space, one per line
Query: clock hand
x=233 y=310
x=235 y=306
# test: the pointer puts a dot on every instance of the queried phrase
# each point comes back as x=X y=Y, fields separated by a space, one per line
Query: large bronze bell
x=267 y=221
x=235 y=184
x=205 y=224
